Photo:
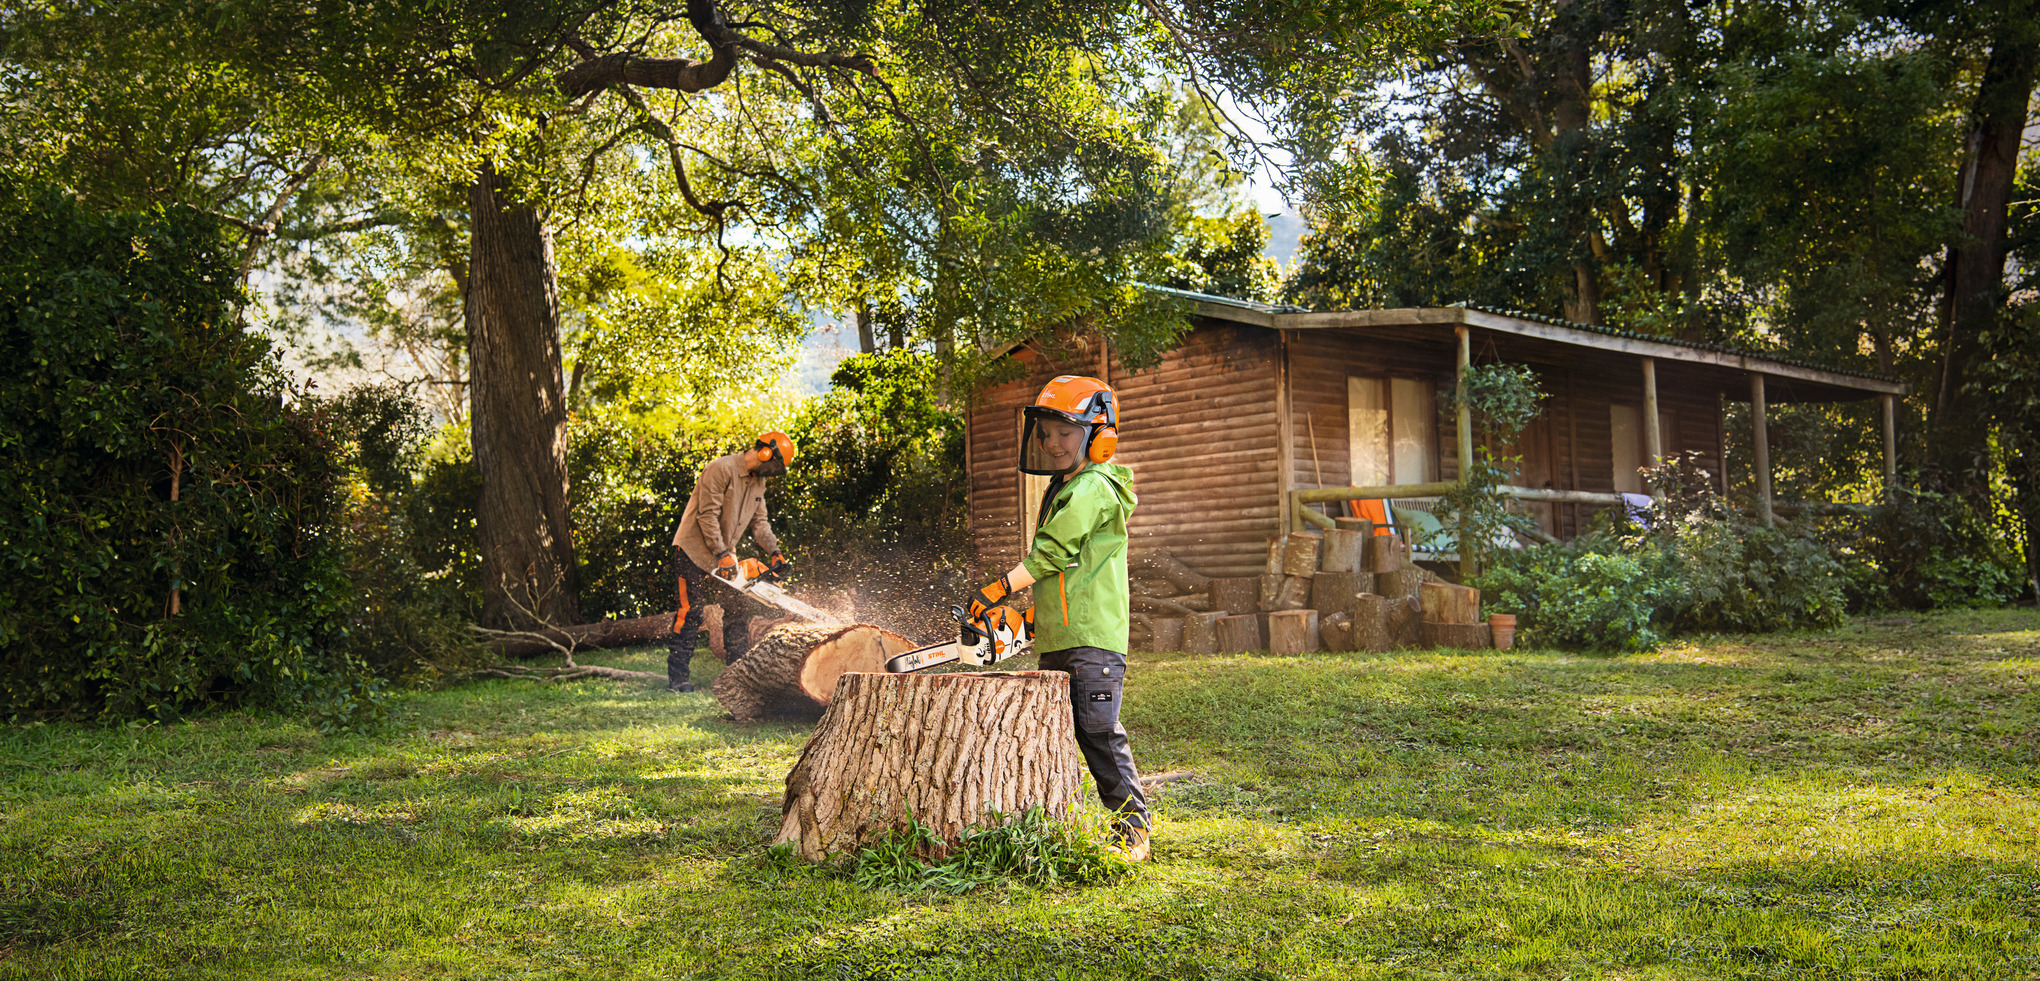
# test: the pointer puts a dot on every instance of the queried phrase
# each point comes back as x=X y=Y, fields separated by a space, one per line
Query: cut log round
x=1299 y=557
x=1384 y=554
x=1402 y=584
x=1404 y=620
x=1361 y=525
x=1237 y=595
x=1165 y=634
x=1239 y=634
x=1462 y=636
x=944 y=750
x=1446 y=603
x=1270 y=593
x=1293 y=632
x=792 y=671
x=1373 y=630
x=1278 y=552
x=1200 y=632
x=1343 y=551
x=1333 y=592
x=1294 y=594
x=1335 y=632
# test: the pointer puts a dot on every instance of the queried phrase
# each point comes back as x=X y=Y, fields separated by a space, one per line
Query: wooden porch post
x=1890 y=443
x=1465 y=421
x=1653 y=440
x=1760 y=441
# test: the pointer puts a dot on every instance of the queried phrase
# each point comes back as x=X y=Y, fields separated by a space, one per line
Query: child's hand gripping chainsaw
x=982 y=641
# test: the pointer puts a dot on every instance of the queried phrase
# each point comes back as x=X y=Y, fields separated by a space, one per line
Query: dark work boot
x=677 y=674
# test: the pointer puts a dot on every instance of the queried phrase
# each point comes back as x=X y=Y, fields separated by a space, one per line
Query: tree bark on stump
x=1446 y=603
x=1239 y=634
x=1293 y=632
x=1373 y=629
x=1241 y=595
x=1344 y=551
x=792 y=671
x=944 y=750
x=1200 y=632
x=1384 y=554
x=1333 y=592
x=1299 y=556
x=1293 y=594
x=1166 y=634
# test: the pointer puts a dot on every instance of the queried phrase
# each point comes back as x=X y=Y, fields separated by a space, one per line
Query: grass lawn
x=1864 y=803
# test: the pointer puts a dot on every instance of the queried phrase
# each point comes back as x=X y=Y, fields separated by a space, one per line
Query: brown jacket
x=726 y=500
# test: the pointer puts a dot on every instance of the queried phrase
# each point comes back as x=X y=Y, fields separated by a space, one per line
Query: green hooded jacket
x=1079 y=561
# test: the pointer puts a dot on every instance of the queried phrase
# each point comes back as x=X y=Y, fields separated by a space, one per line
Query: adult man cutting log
x=728 y=499
x=1078 y=564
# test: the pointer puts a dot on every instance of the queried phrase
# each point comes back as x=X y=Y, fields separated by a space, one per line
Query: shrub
x=1924 y=550
x=1585 y=595
x=150 y=454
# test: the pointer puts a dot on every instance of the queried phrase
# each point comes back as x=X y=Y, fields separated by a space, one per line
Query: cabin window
x=1393 y=426
x=1629 y=453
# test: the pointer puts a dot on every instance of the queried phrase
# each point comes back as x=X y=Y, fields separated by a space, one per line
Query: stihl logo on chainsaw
x=978 y=644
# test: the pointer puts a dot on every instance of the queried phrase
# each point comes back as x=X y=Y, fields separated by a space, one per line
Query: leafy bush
x=150 y=455
x=1585 y=595
x=1923 y=550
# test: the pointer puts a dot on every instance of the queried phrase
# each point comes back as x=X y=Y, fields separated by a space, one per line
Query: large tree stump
x=1333 y=592
x=1241 y=595
x=1165 y=634
x=1200 y=632
x=1299 y=556
x=1446 y=603
x=1240 y=634
x=1293 y=632
x=1293 y=594
x=1373 y=630
x=1343 y=551
x=945 y=750
x=792 y=671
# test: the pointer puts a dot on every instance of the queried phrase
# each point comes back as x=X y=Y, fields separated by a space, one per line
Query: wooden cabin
x=1258 y=401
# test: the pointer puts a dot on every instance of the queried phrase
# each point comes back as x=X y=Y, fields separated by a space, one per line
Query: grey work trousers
x=1097 y=677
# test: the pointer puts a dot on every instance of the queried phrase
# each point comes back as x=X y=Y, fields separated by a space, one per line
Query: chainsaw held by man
x=756 y=579
x=982 y=641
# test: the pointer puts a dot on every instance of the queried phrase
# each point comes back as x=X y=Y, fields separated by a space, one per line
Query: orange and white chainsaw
x=979 y=643
x=754 y=578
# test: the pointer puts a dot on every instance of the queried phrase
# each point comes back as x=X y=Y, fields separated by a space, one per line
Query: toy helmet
x=1047 y=446
x=775 y=451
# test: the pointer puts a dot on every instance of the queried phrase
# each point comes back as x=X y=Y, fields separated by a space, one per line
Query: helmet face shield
x=1052 y=444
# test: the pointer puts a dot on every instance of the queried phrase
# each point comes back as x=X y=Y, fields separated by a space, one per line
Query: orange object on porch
x=1375 y=510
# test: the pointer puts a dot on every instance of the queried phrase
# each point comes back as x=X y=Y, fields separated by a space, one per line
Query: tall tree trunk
x=866 y=341
x=1976 y=260
x=519 y=417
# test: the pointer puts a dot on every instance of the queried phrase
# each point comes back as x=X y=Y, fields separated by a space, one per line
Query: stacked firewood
x=1345 y=589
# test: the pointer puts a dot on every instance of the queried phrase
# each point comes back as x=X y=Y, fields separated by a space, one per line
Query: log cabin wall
x=1199 y=430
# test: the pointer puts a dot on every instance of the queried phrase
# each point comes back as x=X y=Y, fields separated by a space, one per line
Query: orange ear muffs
x=1103 y=445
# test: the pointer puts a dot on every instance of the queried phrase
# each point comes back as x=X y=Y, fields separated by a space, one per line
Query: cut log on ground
x=1271 y=593
x=1200 y=632
x=760 y=626
x=1461 y=636
x=792 y=671
x=944 y=750
x=1293 y=632
x=584 y=637
x=1446 y=603
x=1236 y=595
x=711 y=625
x=1384 y=554
x=1373 y=631
x=1240 y=634
x=1343 y=551
x=1165 y=634
x=1335 y=632
x=1195 y=601
x=1294 y=593
x=1299 y=557
x=1159 y=606
x=1333 y=592
x=1162 y=564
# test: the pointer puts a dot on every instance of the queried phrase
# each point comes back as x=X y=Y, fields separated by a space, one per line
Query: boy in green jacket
x=1078 y=562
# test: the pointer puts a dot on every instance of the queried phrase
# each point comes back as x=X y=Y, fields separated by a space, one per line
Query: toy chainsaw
x=978 y=644
x=753 y=578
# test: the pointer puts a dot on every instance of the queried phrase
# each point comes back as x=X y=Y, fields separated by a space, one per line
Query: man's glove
x=753 y=569
x=780 y=565
x=726 y=566
x=988 y=597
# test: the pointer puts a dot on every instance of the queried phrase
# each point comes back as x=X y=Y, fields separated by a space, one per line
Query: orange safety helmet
x=776 y=452
x=1078 y=400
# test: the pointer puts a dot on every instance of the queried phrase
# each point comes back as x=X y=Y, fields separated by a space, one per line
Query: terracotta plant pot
x=1503 y=626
